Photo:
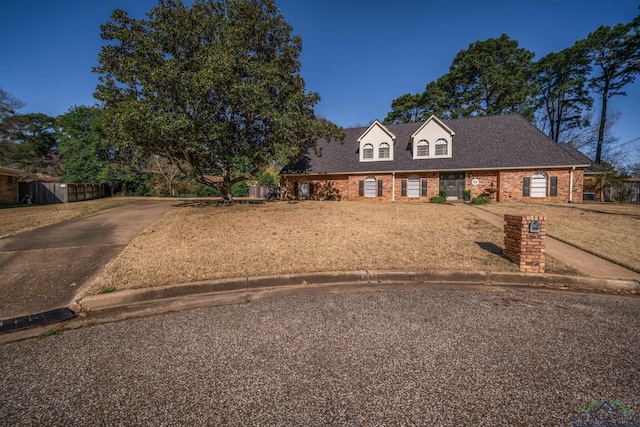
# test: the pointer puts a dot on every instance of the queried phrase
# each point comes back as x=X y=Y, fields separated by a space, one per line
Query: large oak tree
x=28 y=142
x=9 y=105
x=81 y=144
x=214 y=87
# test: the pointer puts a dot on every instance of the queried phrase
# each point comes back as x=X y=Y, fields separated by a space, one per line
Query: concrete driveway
x=44 y=269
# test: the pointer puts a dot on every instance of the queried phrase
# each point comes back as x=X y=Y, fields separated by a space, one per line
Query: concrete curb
x=135 y=296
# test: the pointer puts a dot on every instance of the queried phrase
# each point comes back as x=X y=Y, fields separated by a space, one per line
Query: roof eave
x=374 y=124
x=438 y=121
x=436 y=170
x=12 y=172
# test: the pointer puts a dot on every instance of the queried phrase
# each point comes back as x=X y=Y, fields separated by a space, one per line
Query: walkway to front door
x=452 y=183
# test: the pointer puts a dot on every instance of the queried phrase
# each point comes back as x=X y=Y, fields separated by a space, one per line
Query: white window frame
x=304 y=189
x=367 y=152
x=539 y=184
x=413 y=186
x=440 y=144
x=422 y=143
x=384 y=146
x=370 y=187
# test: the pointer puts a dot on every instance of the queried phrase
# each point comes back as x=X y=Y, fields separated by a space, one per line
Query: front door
x=452 y=183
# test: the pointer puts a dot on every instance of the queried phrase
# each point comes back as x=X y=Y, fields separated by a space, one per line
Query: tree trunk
x=226 y=188
x=603 y=122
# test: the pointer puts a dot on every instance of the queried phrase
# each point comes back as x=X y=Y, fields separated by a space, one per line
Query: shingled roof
x=10 y=171
x=488 y=142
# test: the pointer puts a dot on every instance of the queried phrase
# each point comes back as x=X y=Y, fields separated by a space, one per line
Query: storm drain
x=32 y=320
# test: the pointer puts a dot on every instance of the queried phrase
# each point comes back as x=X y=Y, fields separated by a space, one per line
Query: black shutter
x=554 y=186
x=526 y=186
x=310 y=189
x=424 y=188
x=361 y=188
x=379 y=188
x=295 y=189
x=404 y=188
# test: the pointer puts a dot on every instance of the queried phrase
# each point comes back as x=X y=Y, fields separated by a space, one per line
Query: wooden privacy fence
x=623 y=192
x=46 y=193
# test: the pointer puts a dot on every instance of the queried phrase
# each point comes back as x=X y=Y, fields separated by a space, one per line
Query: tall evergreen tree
x=407 y=108
x=491 y=77
x=563 y=95
x=615 y=54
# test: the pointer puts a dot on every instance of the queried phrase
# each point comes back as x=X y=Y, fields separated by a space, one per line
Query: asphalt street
x=438 y=357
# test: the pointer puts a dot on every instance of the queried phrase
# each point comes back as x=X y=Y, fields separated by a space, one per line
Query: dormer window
x=383 y=151
x=423 y=148
x=367 y=151
x=376 y=143
x=442 y=147
x=432 y=140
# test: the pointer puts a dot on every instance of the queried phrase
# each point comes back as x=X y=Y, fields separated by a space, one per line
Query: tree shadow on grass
x=490 y=247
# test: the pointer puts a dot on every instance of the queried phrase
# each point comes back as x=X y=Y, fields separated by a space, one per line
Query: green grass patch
x=51 y=332
x=480 y=200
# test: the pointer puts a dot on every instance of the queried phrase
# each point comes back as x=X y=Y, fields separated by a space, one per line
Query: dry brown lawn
x=14 y=220
x=202 y=243
x=609 y=230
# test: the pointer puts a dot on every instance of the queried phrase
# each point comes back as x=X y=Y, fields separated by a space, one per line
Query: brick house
x=9 y=185
x=504 y=157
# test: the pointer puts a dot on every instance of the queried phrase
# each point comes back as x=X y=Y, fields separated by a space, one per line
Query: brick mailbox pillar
x=524 y=241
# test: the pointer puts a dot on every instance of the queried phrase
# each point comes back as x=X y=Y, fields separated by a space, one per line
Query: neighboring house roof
x=487 y=142
x=11 y=172
x=40 y=177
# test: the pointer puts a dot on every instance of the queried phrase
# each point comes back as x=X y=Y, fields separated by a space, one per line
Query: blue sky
x=358 y=55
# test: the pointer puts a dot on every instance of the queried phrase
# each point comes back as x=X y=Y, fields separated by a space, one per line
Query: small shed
x=9 y=185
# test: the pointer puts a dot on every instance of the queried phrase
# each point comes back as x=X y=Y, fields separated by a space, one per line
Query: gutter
x=571 y=184
x=393 y=186
x=373 y=172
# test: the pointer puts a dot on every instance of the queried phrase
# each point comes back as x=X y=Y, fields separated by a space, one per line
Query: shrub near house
x=501 y=157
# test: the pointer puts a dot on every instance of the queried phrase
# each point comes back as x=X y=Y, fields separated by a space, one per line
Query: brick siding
x=8 y=190
x=508 y=183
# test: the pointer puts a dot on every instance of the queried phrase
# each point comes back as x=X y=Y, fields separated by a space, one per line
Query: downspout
x=571 y=184
x=393 y=187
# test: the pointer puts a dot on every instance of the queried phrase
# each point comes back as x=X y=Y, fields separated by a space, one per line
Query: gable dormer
x=433 y=140
x=376 y=143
